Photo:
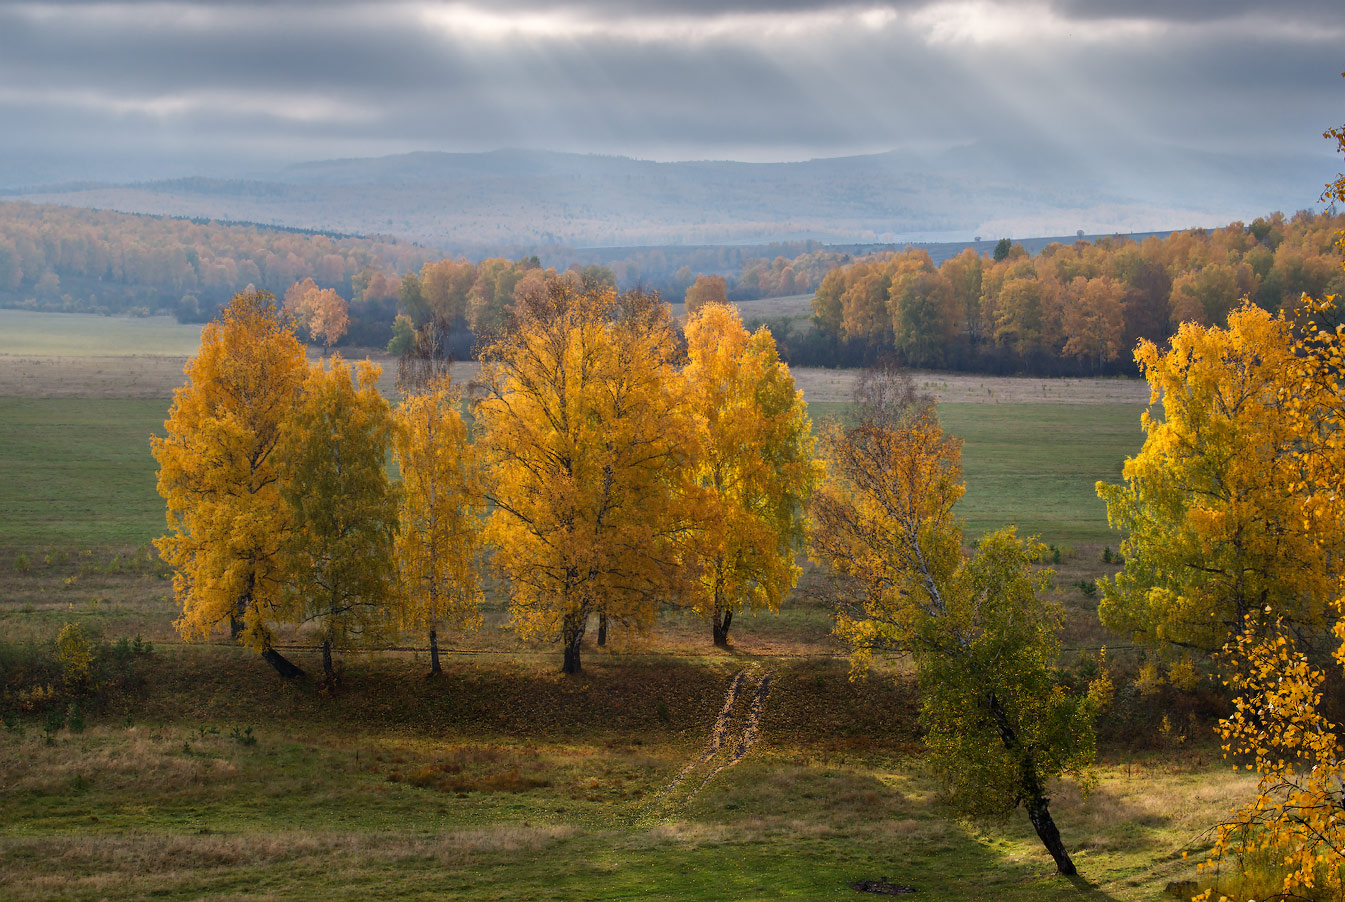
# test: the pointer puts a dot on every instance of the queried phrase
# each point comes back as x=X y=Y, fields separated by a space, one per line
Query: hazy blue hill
x=471 y=202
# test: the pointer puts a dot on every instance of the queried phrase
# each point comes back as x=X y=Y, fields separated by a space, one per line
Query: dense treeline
x=91 y=261
x=1073 y=308
x=70 y=259
x=786 y=269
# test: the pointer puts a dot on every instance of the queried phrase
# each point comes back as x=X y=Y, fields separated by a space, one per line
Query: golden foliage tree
x=1295 y=824
x=1289 y=839
x=826 y=304
x=920 y=301
x=338 y=554
x=442 y=510
x=983 y=641
x=1093 y=319
x=219 y=474
x=1212 y=533
x=755 y=462
x=583 y=450
x=863 y=303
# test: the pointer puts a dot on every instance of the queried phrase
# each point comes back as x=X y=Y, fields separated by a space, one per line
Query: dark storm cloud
x=1155 y=10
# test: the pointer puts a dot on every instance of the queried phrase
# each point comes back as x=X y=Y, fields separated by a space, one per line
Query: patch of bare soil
x=826 y=385
x=37 y=376
x=881 y=887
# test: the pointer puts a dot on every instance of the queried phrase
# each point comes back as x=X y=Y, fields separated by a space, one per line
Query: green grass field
x=1036 y=465
x=84 y=334
x=201 y=775
x=79 y=471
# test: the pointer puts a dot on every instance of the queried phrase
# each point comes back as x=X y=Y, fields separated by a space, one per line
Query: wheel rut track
x=731 y=737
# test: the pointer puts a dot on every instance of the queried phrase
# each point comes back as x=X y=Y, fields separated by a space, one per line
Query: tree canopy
x=220 y=477
x=754 y=463
x=585 y=459
x=983 y=640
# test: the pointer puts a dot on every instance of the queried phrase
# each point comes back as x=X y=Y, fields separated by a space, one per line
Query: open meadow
x=668 y=769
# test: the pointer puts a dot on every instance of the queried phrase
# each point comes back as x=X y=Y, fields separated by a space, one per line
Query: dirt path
x=732 y=736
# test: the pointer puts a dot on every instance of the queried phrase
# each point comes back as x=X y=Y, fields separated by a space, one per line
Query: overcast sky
x=225 y=86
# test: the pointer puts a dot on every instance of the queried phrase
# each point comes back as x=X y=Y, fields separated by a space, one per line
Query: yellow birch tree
x=983 y=640
x=442 y=513
x=338 y=555
x=754 y=461
x=218 y=474
x=583 y=449
x=1213 y=533
x=1296 y=821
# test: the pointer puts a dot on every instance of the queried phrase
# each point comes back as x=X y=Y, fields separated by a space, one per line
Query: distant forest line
x=110 y=262
x=1031 y=306
x=1074 y=308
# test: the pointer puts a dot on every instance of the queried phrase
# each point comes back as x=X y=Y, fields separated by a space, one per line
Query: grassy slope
x=504 y=780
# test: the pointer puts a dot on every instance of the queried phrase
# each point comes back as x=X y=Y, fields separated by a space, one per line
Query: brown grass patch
x=828 y=385
x=117 y=759
x=90 y=863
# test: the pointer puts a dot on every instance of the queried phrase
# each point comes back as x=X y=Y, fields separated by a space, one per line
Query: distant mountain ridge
x=473 y=202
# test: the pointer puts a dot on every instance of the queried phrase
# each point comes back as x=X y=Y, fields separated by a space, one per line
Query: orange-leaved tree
x=583 y=449
x=710 y=289
x=754 y=461
x=442 y=509
x=321 y=311
x=218 y=474
x=338 y=554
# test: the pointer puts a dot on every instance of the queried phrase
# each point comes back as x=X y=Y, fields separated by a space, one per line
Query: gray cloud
x=1159 y=10
x=247 y=84
x=1196 y=11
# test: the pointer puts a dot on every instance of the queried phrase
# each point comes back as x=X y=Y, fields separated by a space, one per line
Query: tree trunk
x=239 y=613
x=719 y=625
x=1034 y=793
x=602 y=630
x=1040 y=815
x=283 y=665
x=328 y=672
x=434 y=654
x=572 y=634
